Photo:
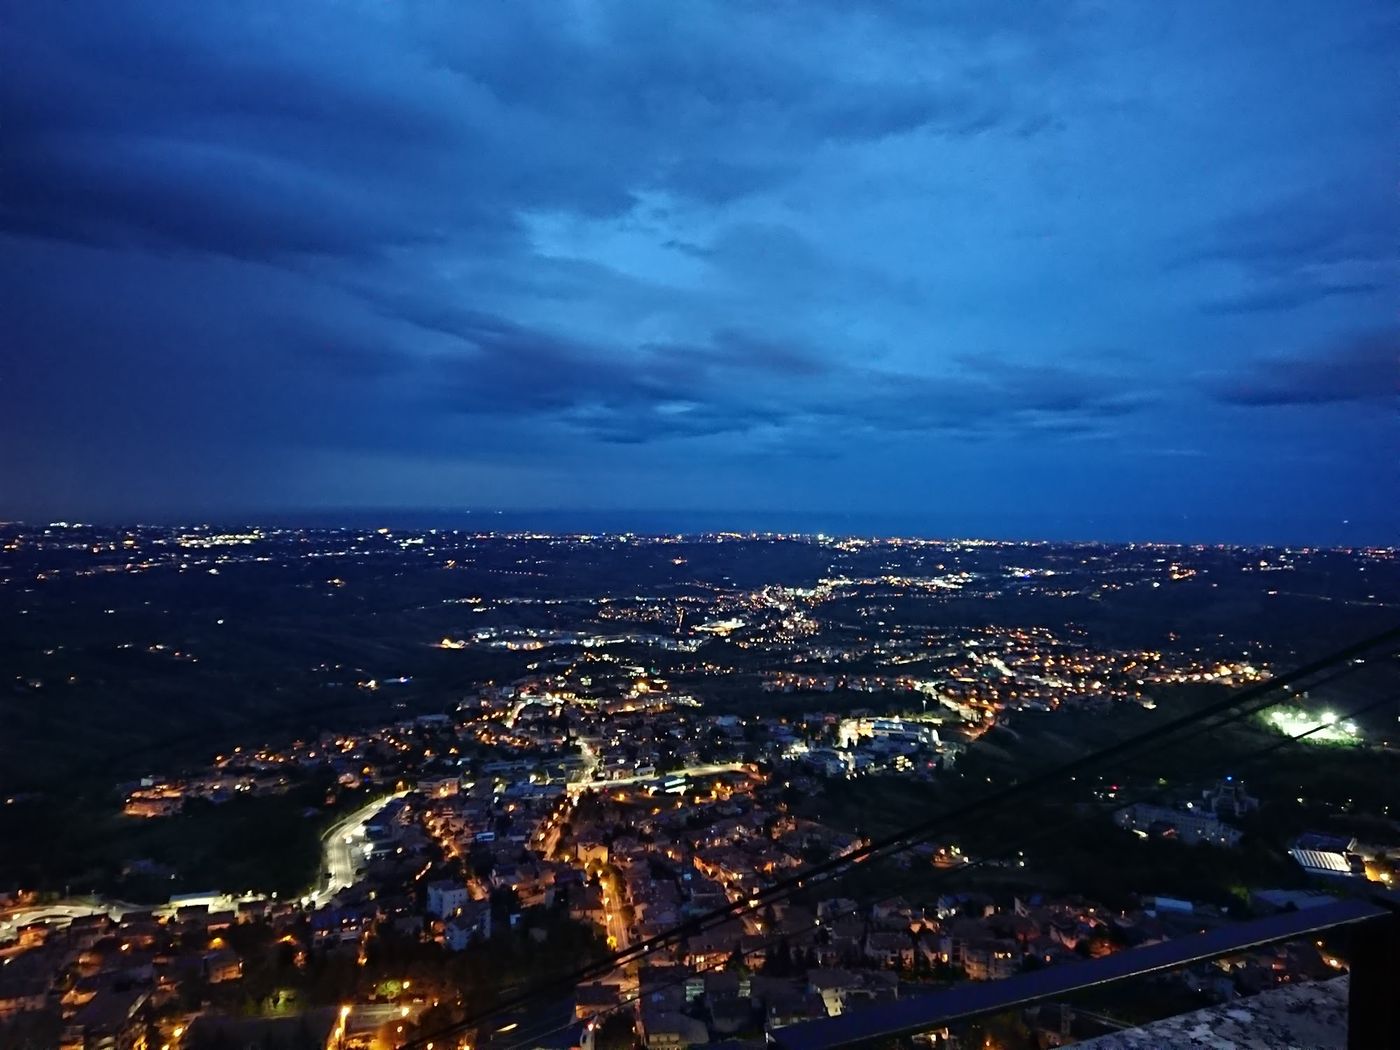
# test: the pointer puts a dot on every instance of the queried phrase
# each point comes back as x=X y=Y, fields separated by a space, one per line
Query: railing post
x=1373 y=1006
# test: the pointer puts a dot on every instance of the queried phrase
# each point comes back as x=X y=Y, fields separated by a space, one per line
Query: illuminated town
x=531 y=771
x=625 y=525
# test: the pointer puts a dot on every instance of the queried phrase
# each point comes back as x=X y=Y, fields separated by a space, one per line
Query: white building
x=447 y=898
x=896 y=730
x=1327 y=855
x=1191 y=826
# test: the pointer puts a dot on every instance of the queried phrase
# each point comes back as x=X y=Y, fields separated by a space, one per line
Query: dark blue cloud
x=1290 y=296
x=1363 y=368
x=1340 y=222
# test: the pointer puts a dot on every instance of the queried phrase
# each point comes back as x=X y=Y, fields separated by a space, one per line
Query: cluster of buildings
x=985 y=673
x=830 y=745
x=121 y=980
x=600 y=790
x=596 y=790
x=1344 y=856
x=1203 y=821
x=154 y=796
x=840 y=956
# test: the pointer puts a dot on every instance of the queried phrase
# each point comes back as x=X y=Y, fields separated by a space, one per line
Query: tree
x=618 y=1032
x=505 y=902
x=736 y=959
x=482 y=860
x=778 y=961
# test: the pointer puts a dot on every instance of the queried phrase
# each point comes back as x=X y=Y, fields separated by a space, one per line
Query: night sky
x=1105 y=270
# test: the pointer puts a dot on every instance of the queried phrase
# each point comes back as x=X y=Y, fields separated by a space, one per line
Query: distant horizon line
x=686 y=523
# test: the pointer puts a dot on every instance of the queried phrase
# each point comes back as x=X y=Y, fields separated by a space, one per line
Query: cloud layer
x=978 y=256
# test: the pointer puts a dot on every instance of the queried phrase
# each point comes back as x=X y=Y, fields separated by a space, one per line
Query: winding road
x=340 y=865
x=340 y=859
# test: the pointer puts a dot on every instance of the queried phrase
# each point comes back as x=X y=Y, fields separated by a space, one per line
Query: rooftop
x=1310 y=1015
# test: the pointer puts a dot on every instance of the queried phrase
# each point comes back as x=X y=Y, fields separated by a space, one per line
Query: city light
x=1322 y=728
x=601 y=790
